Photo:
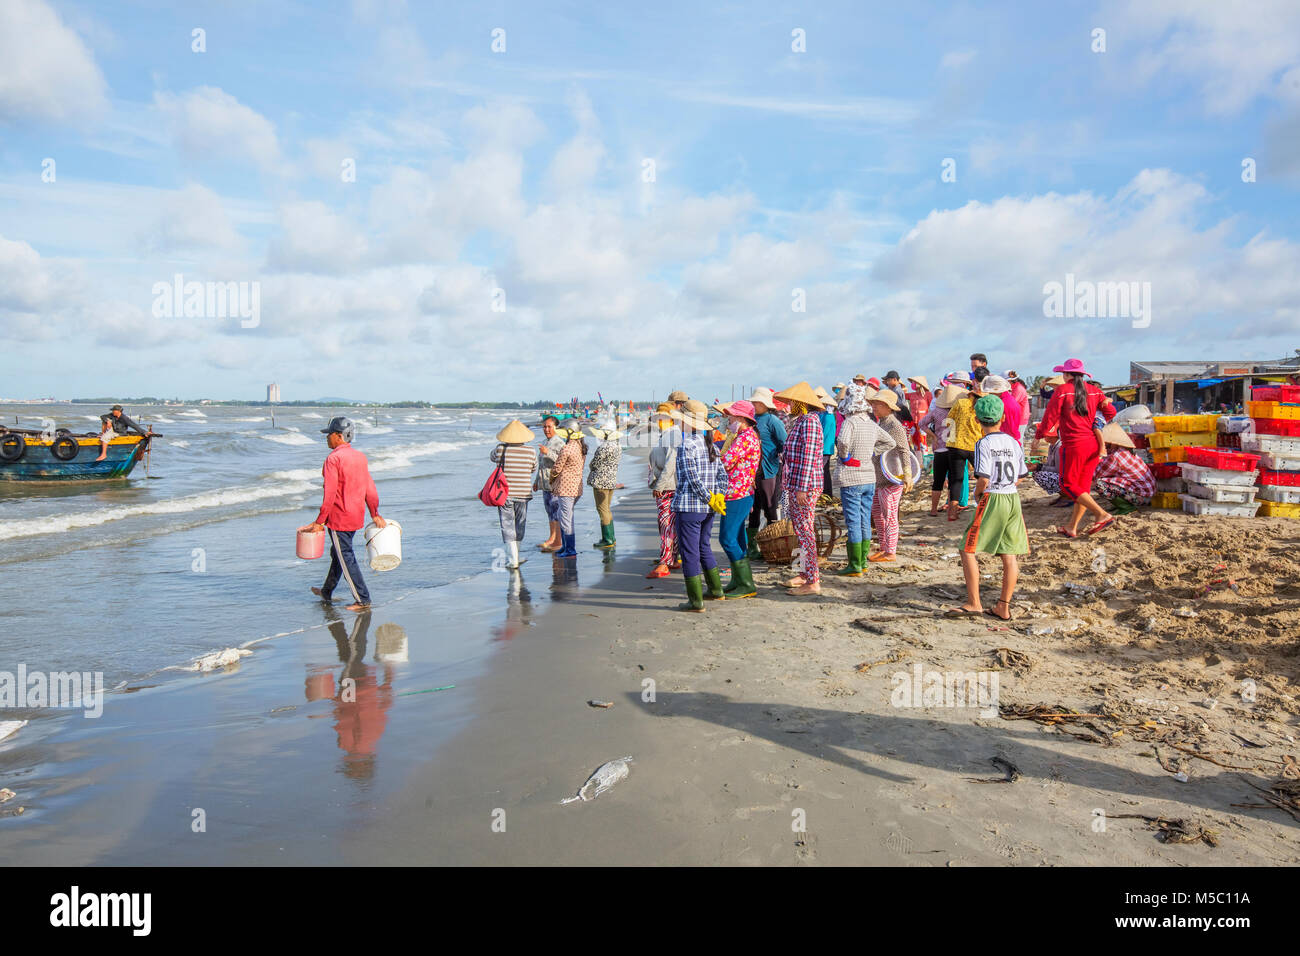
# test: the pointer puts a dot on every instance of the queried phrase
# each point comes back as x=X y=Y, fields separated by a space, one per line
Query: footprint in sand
x=898 y=842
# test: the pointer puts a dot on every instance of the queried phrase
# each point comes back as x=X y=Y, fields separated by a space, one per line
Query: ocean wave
x=312 y=415
x=258 y=418
x=165 y=421
x=192 y=413
x=289 y=438
x=178 y=443
x=57 y=524
x=375 y=430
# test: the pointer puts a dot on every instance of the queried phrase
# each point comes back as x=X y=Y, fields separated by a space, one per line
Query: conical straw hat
x=516 y=433
x=803 y=392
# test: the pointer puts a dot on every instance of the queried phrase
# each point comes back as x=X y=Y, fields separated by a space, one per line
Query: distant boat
x=25 y=455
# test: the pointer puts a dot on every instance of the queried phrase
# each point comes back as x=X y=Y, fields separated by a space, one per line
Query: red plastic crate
x=1217 y=458
x=1140 y=441
x=1229 y=440
x=1275 y=393
x=1269 y=477
x=1167 y=470
x=1277 y=426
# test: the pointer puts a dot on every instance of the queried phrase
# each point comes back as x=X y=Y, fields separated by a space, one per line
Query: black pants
x=958 y=459
x=341 y=547
x=826 y=475
x=767 y=500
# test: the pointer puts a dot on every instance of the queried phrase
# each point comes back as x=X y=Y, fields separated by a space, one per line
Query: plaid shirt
x=801 y=466
x=1125 y=473
x=697 y=477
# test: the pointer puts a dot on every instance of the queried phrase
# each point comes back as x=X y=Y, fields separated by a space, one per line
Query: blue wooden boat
x=28 y=455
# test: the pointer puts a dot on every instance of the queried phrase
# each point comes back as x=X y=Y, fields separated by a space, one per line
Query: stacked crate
x=1220 y=482
x=1275 y=411
x=1174 y=434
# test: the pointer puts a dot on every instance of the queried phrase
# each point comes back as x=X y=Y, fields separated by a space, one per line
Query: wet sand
x=764 y=716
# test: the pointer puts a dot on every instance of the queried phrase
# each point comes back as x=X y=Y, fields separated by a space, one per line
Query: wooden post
x=1169 y=396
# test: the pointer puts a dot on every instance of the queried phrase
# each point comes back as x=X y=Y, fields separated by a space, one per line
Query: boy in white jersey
x=997 y=527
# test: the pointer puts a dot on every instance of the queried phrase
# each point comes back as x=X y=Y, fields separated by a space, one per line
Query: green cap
x=989 y=409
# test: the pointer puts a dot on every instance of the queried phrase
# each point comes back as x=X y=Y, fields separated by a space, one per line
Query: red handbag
x=496 y=491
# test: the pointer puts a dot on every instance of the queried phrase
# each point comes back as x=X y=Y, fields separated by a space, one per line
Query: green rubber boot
x=742 y=580
x=713 y=579
x=753 y=554
x=854 y=568
x=606 y=537
x=694 y=594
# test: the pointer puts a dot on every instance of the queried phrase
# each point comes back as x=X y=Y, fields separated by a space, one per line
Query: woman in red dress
x=1072 y=409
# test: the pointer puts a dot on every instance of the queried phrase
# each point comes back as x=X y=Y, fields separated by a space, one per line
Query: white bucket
x=384 y=546
x=891 y=463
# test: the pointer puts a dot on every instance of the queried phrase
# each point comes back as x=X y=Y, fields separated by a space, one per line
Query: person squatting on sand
x=662 y=479
x=566 y=485
x=545 y=474
x=997 y=527
x=767 y=484
x=801 y=479
x=741 y=452
x=701 y=493
x=1073 y=407
x=602 y=476
x=859 y=440
x=888 y=496
x=1122 y=476
x=349 y=491
x=518 y=464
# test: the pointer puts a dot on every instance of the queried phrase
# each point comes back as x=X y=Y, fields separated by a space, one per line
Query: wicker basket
x=777 y=541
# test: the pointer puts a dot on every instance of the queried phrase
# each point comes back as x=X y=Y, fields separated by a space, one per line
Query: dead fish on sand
x=606 y=775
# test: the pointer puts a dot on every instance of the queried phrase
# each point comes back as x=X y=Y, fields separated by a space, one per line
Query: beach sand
x=771 y=738
x=765 y=717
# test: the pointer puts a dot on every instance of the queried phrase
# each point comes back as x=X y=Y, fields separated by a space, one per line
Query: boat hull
x=39 y=464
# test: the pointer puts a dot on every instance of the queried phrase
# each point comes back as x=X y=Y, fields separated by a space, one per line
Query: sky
x=518 y=201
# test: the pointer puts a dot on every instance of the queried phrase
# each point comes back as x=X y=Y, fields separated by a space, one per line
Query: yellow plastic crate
x=1275 y=509
x=1166 y=423
x=1273 y=410
x=1196 y=439
x=1166 y=499
x=1160 y=440
x=1198 y=423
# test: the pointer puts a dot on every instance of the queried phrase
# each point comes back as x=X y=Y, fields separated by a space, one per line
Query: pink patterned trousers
x=801 y=516
x=667 y=526
x=884 y=511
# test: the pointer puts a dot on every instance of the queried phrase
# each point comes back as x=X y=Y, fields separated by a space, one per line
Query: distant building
x=273 y=393
x=1191 y=386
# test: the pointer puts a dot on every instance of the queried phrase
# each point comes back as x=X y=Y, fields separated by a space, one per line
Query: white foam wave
x=57 y=524
x=312 y=415
x=192 y=413
x=178 y=443
x=258 y=418
x=290 y=438
x=160 y=418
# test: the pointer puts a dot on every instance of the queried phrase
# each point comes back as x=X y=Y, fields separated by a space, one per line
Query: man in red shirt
x=349 y=492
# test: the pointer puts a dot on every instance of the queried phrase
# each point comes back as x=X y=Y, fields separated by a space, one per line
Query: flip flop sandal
x=1066 y=533
x=1100 y=526
x=991 y=613
x=960 y=612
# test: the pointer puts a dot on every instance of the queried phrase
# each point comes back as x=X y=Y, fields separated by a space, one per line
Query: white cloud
x=191 y=218
x=208 y=123
x=313 y=238
x=46 y=71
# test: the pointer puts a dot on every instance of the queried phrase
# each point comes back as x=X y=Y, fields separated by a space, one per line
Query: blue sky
x=524 y=171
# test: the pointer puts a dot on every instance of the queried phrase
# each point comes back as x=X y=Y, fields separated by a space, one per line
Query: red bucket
x=311 y=544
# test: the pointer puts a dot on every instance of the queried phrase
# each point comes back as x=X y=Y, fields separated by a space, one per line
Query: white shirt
x=1000 y=459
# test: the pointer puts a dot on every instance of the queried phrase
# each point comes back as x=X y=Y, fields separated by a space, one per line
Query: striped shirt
x=863 y=439
x=519 y=463
x=892 y=427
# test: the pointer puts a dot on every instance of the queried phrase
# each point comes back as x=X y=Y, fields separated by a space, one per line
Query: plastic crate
x=1199 y=506
x=1164 y=456
x=1267 y=476
x=1276 y=393
x=1166 y=499
x=1277 y=426
x=1139 y=441
x=1160 y=440
x=1276 y=444
x=1141 y=428
x=1273 y=410
x=1229 y=440
x=1279 y=494
x=1279 y=462
x=1233 y=424
x=1198 y=423
x=1227 y=460
x=1165 y=423
x=1167 y=470
x=1274 y=509
x=1219 y=476
x=1175 y=485
x=1223 y=494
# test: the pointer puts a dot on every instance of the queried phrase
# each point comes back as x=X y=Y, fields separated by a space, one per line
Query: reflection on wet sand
x=564 y=579
x=519 y=609
x=362 y=700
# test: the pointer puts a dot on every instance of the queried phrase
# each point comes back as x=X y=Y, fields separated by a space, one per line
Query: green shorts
x=998 y=527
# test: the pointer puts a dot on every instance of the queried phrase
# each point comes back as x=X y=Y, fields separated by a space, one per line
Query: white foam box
x=1147 y=427
x=1273 y=444
x=1204 y=475
x=1276 y=462
x=1223 y=494
x=1175 y=485
x=1199 y=506
x=1280 y=493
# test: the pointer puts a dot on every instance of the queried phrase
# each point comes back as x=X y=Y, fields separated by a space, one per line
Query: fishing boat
x=30 y=455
